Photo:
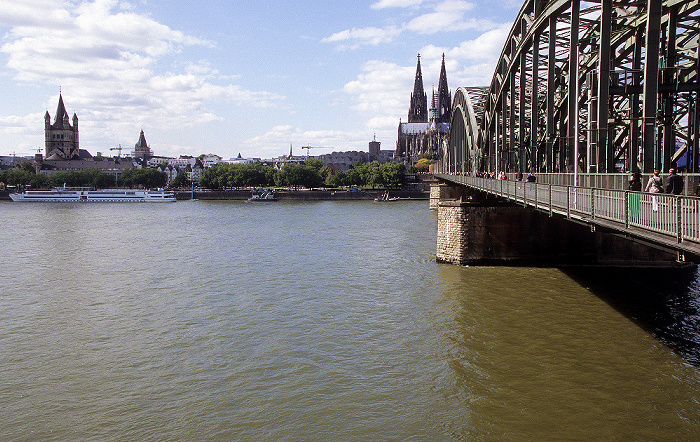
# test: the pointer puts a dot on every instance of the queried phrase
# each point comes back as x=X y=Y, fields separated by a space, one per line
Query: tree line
x=26 y=176
x=311 y=173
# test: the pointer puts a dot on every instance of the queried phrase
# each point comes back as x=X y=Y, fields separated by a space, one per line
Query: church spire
x=418 y=112
x=444 y=99
x=61 y=114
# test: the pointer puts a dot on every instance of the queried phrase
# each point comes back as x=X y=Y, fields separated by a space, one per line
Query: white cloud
x=24 y=14
x=370 y=35
x=487 y=46
x=278 y=139
x=447 y=16
x=105 y=58
x=381 y=4
x=381 y=90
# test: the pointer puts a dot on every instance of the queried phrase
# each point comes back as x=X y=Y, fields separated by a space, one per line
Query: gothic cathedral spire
x=444 y=100
x=418 y=112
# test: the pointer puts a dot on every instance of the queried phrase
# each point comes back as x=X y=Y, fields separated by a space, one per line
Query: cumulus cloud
x=446 y=16
x=272 y=142
x=370 y=35
x=487 y=46
x=381 y=89
x=381 y=4
x=106 y=55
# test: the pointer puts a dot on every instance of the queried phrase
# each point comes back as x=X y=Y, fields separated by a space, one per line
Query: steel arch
x=597 y=86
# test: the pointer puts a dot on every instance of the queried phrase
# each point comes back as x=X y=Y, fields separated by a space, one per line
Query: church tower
x=443 y=106
x=61 y=138
x=141 y=149
x=418 y=112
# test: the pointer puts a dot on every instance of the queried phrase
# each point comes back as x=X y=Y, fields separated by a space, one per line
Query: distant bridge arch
x=462 y=151
x=597 y=87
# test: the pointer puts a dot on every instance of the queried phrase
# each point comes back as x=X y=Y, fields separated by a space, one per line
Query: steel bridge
x=592 y=87
x=583 y=94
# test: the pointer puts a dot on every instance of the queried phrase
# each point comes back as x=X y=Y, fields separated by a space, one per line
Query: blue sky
x=229 y=77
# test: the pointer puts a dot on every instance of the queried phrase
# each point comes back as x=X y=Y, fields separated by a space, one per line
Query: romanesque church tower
x=61 y=138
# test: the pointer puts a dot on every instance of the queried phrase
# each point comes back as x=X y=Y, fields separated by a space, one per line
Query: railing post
x=626 y=200
x=593 y=202
x=568 y=202
x=550 y=200
x=679 y=219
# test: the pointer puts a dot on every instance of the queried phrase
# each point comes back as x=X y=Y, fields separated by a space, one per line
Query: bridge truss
x=607 y=85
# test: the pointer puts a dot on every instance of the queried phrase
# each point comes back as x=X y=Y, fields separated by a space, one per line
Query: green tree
x=147 y=178
x=180 y=181
x=394 y=174
x=297 y=174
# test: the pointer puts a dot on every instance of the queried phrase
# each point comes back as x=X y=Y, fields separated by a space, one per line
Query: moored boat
x=83 y=195
x=263 y=195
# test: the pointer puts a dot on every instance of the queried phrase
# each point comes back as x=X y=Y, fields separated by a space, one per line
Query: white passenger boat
x=81 y=195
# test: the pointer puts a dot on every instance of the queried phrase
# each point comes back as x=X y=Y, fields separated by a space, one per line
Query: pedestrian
x=530 y=178
x=519 y=176
x=635 y=183
x=674 y=182
x=655 y=185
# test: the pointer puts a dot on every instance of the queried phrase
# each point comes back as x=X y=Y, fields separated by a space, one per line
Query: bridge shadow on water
x=664 y=302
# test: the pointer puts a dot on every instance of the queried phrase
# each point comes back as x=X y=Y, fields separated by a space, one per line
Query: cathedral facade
x=425 y=130
x=61 y=140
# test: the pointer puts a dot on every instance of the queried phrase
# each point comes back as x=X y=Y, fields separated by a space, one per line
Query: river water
x=323 y=321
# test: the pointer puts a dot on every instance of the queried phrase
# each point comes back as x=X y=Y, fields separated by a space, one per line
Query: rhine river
x=323 y=321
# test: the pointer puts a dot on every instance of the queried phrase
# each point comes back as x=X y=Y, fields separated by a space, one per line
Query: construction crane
x=313 y=147
x=119 y=154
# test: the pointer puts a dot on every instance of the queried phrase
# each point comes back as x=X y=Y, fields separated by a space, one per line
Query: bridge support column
x=488 y=233
x=442 y=192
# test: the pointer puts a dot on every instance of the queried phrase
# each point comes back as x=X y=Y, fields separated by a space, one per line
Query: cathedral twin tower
x=423 y=131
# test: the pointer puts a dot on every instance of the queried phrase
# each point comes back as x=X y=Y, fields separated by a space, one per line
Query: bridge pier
x=478 y=230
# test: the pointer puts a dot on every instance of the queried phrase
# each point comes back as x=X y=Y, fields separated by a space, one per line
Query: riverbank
x=290 y=195
x=304 y=195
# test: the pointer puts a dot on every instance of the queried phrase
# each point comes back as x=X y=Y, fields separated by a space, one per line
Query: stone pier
x=477 y=230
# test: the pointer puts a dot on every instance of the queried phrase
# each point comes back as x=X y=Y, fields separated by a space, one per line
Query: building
x=425 y=130
x=62 y=152
x=341 y=161
x=142 y=151
x=375 y=146
x=10 y=161
x=61 y=141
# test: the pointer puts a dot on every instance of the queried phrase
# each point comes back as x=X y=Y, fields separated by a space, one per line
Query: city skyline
x=235 y=78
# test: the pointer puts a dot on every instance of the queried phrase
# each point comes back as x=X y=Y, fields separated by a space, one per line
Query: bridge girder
x=601 y=86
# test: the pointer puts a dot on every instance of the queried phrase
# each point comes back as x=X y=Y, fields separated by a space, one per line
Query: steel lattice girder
x=574 y=86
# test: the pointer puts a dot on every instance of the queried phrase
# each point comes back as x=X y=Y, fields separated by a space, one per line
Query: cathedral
x=61 y=138
x=424 y=132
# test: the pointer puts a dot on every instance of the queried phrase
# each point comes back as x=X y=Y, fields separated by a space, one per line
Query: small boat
x=386 y=197
x=84 y=195
x=263 y=195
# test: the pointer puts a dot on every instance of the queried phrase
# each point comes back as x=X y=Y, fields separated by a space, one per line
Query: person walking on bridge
x=635 y=183
x=674 y=182
x=655 y=185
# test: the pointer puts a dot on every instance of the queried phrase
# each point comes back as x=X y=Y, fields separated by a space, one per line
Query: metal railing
x=674 y=216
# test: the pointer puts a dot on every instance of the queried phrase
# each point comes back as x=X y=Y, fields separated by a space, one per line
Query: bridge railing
x=674 y=216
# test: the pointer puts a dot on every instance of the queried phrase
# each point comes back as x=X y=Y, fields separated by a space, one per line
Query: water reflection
x=536 y=355
x=665 y=302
